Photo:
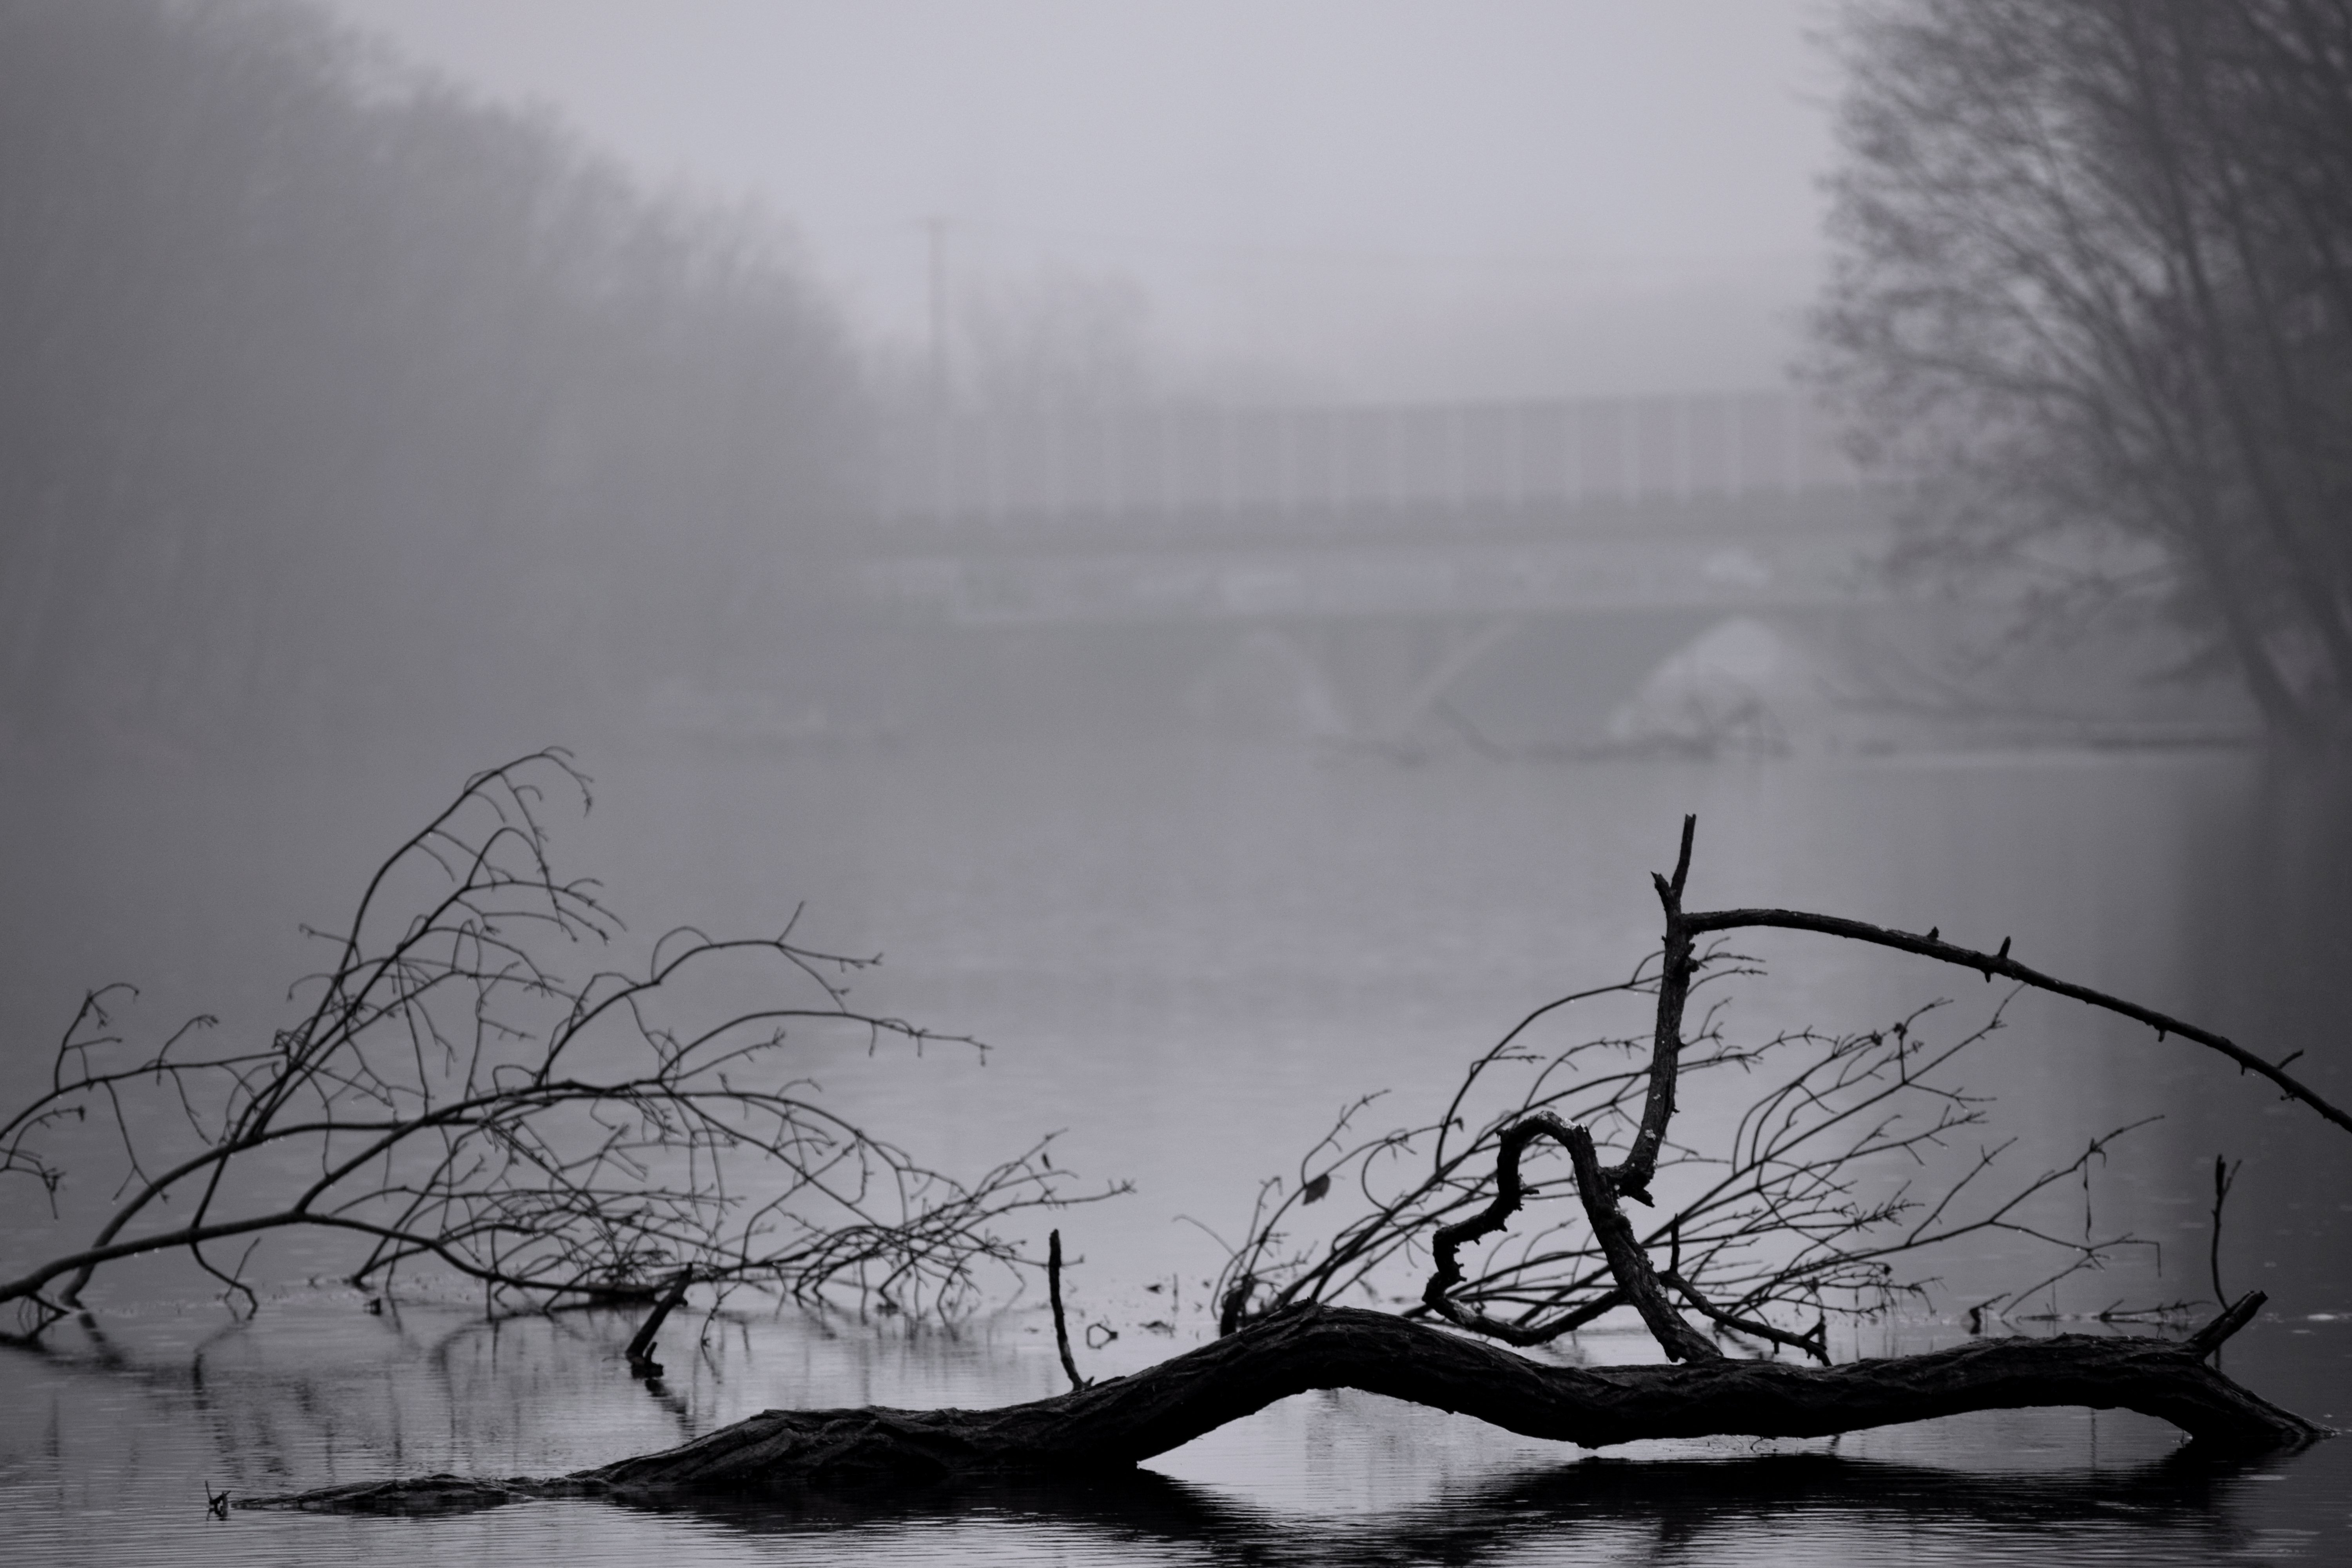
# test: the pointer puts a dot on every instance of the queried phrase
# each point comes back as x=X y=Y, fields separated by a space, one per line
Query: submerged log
x=1116 y=1423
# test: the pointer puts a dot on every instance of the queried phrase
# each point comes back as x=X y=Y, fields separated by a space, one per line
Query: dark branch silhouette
x=453 y=1100
x=1311 y=1344
x=1992 y=964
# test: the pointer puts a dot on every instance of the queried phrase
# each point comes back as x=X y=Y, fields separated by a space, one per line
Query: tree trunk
x=1120 y=1422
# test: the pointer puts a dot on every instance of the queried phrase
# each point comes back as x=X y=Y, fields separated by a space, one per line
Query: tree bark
x=1120 y=1422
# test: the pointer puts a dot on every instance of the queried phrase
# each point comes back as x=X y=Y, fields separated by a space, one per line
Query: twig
x=1992 y=964
x=1631 y=1178
x=1814 y=1341
x=2211 y=1338
x=1061 y=1325
x=640 y=1351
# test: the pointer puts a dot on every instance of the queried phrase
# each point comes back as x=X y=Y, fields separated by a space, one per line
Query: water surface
x=1187 y=959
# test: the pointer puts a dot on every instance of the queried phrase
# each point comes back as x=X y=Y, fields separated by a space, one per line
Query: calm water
x=1187 y=959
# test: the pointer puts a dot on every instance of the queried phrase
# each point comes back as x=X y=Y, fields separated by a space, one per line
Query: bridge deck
x=1438 y=459
x=1748 y=553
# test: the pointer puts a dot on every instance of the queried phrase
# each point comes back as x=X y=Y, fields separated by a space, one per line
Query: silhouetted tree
x=2092 y=301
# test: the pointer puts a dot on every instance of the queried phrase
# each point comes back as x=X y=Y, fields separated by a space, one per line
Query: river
x=1185 y=958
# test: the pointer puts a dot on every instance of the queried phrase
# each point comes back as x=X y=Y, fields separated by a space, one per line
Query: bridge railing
x=1172 y=460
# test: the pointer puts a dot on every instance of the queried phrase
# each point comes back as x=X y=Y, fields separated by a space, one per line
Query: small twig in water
x=641 y=1348
x=2225 y=1176
x=1061 y=1324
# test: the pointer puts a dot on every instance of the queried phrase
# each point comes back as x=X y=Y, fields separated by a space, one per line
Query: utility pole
x=938 y=228
x=942 y=464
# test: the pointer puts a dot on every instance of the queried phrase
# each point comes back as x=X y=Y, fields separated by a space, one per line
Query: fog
x=1368 y=201
x=411 y=369
x=1223 y=538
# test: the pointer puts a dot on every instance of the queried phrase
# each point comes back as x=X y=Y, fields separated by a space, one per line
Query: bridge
x=1377 y=560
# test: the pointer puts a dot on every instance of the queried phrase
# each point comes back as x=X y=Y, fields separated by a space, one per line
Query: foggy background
x=1349 y=200
x=1034 y=485
x=740 y=374
x=1222 y=537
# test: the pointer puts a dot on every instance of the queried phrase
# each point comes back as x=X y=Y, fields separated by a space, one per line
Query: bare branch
x=463 y=1104
x=1992 y=964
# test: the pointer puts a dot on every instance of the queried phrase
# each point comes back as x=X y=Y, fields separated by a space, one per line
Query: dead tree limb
x=1813 y=1341
x=1777 y=1225
x=1061 y=1322
x=1637 y=1284
x=1632 y=1177
x=450 y=1098
x=640 y=1351
x=1126 y=1420
x=1636 y=1280
x=1120 y=1422
x=1988 y=964
x=2225 y=1175
x=1315 y=1345
x=2238 y=1313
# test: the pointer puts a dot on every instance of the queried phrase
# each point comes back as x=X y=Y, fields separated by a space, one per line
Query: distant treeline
x=330 y=396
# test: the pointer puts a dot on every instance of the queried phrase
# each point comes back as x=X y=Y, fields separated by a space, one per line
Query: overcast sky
x=1358 y=198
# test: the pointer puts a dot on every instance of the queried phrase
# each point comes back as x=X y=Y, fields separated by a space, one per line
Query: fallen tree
x=1120 y=1422
x=1301 y=1346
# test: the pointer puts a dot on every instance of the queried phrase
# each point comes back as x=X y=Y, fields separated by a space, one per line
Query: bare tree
x=450 y=1098
x=2092 y=307
x=1705 y=1389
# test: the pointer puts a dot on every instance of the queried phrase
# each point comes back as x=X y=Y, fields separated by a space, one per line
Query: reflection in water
x=332 y=1394
x=1190 y=961
x=1633 y=1512
x=2263 y=910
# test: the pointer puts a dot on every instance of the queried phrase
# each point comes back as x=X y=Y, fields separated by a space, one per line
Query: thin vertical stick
x=1061 y=1327
x=1632 y=1179
x=2224 y=1175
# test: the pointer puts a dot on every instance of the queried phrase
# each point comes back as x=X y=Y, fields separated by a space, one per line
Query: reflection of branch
x=2225 y=1176
x=1501 y=1518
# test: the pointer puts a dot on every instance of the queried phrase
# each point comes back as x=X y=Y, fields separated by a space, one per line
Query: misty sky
x=1349 y=197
